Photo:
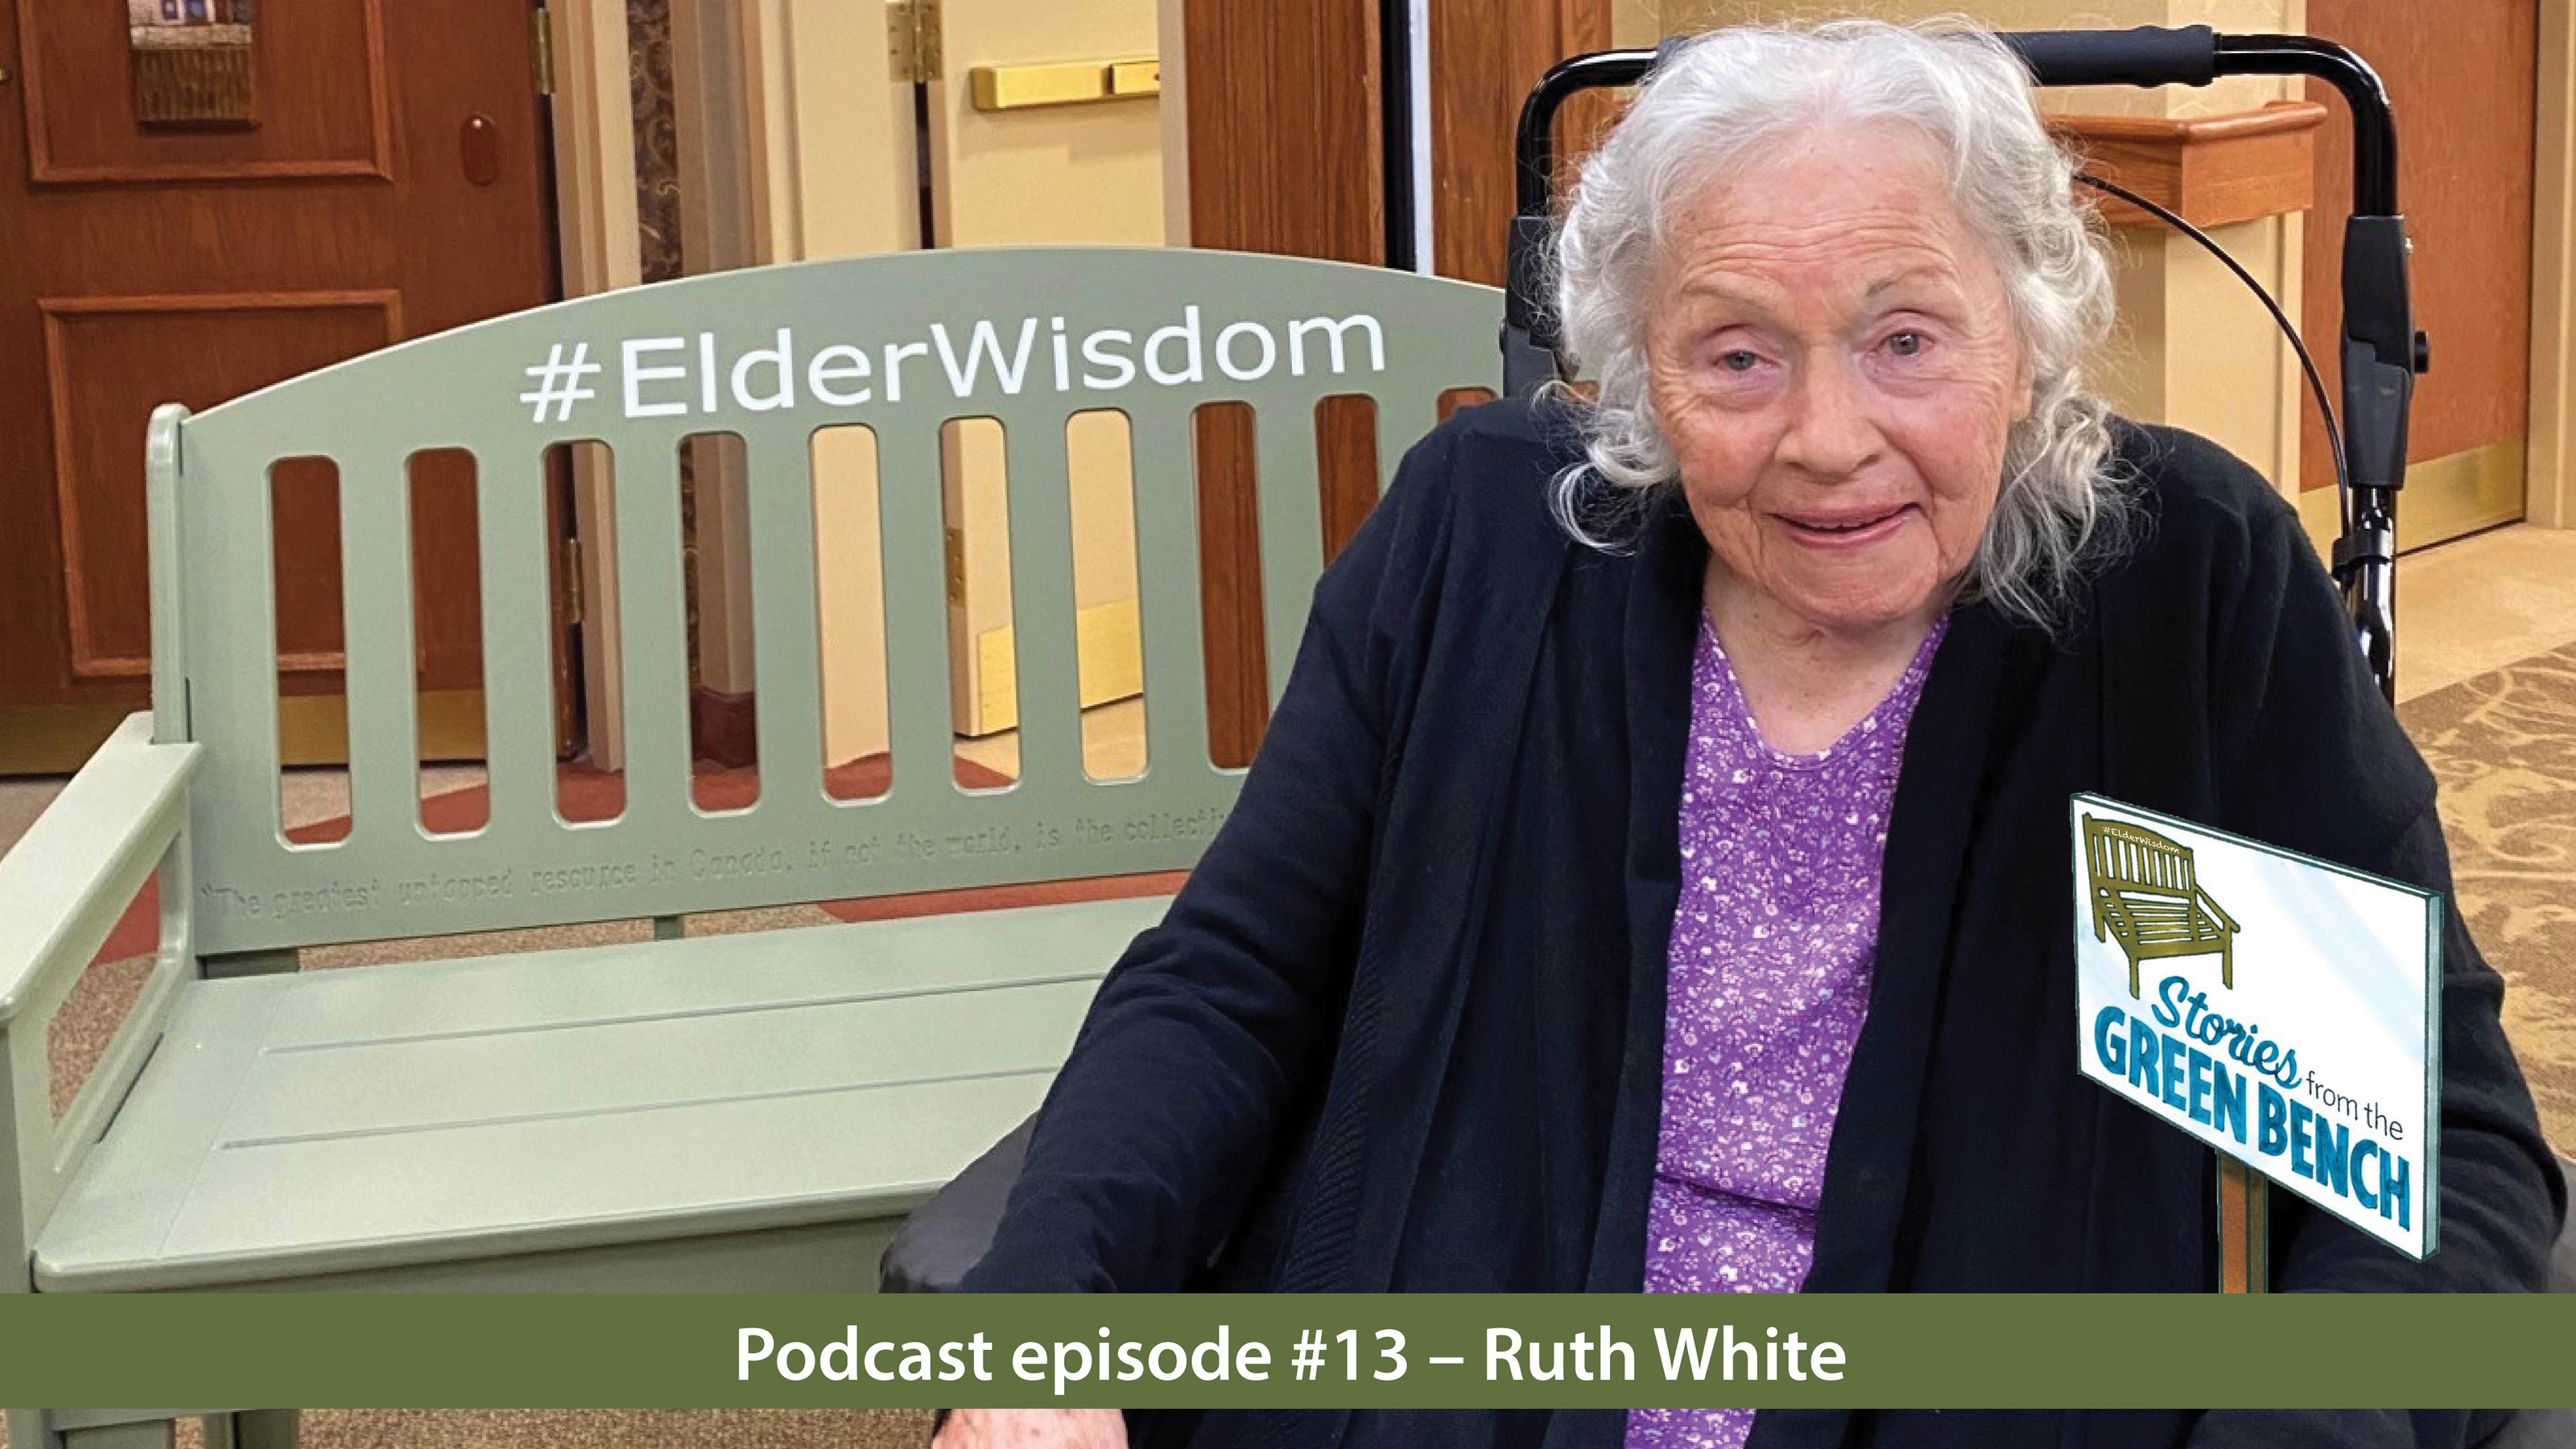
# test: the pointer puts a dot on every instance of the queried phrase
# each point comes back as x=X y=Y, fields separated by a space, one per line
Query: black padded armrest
x=949 y=1234
x=2548 y=1428
x=2562 y=1258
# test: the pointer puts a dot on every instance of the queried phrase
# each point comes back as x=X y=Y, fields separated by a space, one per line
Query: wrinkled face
x=1831 y=355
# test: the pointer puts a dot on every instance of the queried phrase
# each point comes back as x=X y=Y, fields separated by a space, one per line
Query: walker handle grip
x=2147 y=56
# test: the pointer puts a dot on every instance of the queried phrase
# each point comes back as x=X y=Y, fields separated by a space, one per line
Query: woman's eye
x=1737 y=359
x=1905 y=344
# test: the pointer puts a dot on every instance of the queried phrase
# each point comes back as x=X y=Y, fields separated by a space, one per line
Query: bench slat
x=864 y=1039
x=1042 y=605
x=726 y=1166
x=786 y=655
x=918 y=712
x=375 y=610
x=1292 y=530
x=2166 y=932
x=483 y=995
x=653 y=636
x=518 y=654
x=559 y=1184
x=1165 y=447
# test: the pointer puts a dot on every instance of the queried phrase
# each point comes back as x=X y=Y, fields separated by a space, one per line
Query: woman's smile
x=1846 y=529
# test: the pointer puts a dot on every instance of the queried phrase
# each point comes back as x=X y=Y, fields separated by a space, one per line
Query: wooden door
x=389 y=180
x=2463 y=91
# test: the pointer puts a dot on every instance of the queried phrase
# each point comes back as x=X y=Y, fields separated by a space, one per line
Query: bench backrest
x=2125 y=857
x=1278 y=334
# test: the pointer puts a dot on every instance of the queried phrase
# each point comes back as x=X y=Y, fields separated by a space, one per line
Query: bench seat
x=357 y=1121
x=2151 y=921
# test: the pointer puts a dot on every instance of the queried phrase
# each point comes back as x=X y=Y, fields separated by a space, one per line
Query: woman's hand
x=1033 y=1429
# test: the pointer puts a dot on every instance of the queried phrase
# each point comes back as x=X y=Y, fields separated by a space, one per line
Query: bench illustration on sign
x=2144 y=895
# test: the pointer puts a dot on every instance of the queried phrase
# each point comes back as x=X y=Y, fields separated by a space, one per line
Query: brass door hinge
x=957 y=566
x=541 y=50
x=912 y=40
x=572 y=592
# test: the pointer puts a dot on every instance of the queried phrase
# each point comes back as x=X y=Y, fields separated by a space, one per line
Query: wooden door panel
x=321 y=104
x=108 y=362
x=80 y=127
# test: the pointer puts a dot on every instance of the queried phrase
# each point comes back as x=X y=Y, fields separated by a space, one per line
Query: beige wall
x=2192 y=348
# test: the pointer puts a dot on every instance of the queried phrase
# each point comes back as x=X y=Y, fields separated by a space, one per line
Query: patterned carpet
x=2504 y=747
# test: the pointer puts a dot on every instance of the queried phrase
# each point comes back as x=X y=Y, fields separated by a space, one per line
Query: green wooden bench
x=2144 y=895
x=748 y=1111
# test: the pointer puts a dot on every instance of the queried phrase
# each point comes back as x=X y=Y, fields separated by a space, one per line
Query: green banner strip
x=714 y=1350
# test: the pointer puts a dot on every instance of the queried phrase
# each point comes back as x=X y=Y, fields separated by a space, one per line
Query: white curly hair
x=1723 y=95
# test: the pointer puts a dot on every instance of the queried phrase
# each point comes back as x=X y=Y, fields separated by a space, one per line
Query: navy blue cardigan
x=1402 y=1029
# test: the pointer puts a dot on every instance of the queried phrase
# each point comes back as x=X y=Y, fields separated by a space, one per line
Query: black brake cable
x=2307 y=364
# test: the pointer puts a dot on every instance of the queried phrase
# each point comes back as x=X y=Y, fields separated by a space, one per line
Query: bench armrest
x=2215 y=912
x=62 y=889
x=67 y=881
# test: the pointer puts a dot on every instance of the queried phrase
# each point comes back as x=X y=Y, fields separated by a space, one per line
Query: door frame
x=2549 y=494
x=593 y=111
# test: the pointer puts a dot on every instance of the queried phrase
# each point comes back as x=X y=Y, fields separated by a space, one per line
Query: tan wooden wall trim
x=2210 y=170
x=2550 y=493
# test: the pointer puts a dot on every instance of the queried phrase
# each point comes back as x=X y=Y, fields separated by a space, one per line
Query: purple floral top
x=1768 y=981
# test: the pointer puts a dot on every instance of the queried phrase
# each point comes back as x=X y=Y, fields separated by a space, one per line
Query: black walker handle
x=2147 y=56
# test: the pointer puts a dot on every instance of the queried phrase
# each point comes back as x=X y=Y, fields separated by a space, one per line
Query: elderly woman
x=1655 y=874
